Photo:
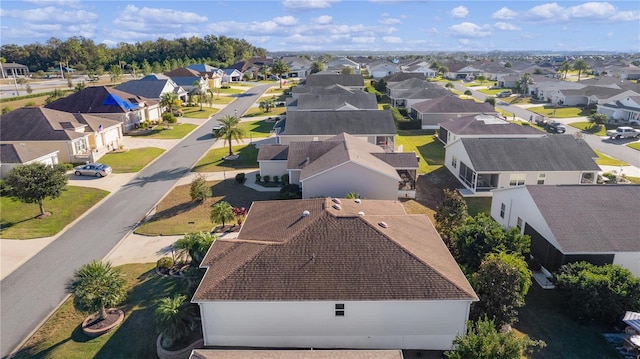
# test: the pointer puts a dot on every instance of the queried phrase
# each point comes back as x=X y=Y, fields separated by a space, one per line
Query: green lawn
x=424 y=144
x=62 y=337
x=493 y=92
x=131 y=161
x=256 y=111
x=194 y=112
x=231 y=91
x=635 y=146
x=17 y=219
x=256 y=129
x=222 y=100
x=478 y=205
x=213 y=162
x=560 y=112
x=588 y=127
x=174 y=132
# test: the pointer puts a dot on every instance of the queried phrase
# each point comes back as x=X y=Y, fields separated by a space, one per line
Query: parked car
x=503 y=94
x=215 y=130
x=623 y=132
x=92 y=169
x=556 y=127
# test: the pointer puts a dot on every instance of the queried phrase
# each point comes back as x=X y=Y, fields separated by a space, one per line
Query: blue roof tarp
x=113 y=100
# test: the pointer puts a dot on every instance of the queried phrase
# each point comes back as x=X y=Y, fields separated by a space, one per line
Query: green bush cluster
x=165 y=263
x=240 y=177
x=290 y=191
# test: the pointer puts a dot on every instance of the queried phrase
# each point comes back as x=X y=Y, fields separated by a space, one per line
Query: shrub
x=199 y=190
x=6 y=109
x=290 y=191
x=258 y=177
x=285 y=178
x=169 y=118
x=165 y=263
x=67 y=166
x=276 y=179
x=468 y=93
x=5 y=189
x=266 y=178
x=240 y=177
x=30 y=103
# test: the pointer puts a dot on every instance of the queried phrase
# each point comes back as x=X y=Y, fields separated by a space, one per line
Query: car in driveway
x=503 y=94
x=556 y=127
x=92 y=169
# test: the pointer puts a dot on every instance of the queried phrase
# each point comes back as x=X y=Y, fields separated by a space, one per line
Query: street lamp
x=235 y=113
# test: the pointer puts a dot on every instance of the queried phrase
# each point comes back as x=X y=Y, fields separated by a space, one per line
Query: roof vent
x=336 y=207
x=336 y=200
x=360 y=213
x=383 y=225
x=357 y=200
x=305 y=213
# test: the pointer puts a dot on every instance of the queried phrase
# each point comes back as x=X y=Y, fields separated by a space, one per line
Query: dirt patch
x=429 y=192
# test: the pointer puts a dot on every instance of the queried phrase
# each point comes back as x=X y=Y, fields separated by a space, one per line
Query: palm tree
x=264 y=71
x=97 y=286
x=279 y=68
x=230 y=130
x=267 y=104
x=580 y=65
x=195 y=245
x=169 y=101
x=200 y=91
x=222 y=212
x=524 y=82
x=175 y=318
x=443 y=71
x=449 y=86
x=565 y=67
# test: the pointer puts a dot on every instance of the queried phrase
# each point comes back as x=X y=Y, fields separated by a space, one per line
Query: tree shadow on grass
x=175 y=210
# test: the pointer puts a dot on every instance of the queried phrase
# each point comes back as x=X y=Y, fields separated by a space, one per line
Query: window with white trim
x=517 y=179
x=503 y=208
x=541 y=178
x=454 y=161
x=339 y=310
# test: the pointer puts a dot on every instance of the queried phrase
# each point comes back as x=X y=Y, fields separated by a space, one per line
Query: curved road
x=33 y=291
x=615 y=149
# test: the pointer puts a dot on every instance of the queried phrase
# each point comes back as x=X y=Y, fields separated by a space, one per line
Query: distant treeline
x=83 y=54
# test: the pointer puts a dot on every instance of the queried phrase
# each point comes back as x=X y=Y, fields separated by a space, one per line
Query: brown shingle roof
x=332 y=254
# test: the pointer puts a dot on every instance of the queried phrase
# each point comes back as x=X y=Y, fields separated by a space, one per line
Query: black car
x=556 y=127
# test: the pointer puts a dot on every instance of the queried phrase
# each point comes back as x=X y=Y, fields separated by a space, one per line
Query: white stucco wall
x=351 y=177
x=366 y=324
x=273 y=168
x=629 y=260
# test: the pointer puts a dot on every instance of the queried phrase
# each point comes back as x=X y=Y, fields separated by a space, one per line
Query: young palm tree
x=230 y=130
x=195 y=245
x=221 y=212
x=202 y=92
x=279 y=67
x=267 y=104
x=565 y=67
x=581 y=66
x=96 y=286
x=524 y=82
x=175 y=318
x=169 y=101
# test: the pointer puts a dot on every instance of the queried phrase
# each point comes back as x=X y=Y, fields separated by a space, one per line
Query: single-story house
x=422 y=67
x=339 y=64
x=109 y=103
x=298 y=67
x=432 y=112
x=333 y=273
x=153 y=87
x=481 y=126
x=76 y=137
x=402 y=76
x=378 y=70
x=459 y=70
x=231 y=75
x=588 y=95
x=336 y=102
x=185 y=78
x=322 y=90
x=352 y=82
x=593 y=223
x=376 y=126
x=12 y=69
x=485 y=164
x=16 y=154
x=545 y=90
x=625 y=111
x=340 y=165
x=408 y=92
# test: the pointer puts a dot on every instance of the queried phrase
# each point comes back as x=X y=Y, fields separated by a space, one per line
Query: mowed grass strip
x=590 y=128
x=256 y=129
x=131 y=161
x=194 y=111
x=635 y=146
x=257 y=111
x=560 y=112
x=177 y=214
x=62 y=337
x=175 y=131
x=17 y=219
x=605 y=160
x=425 y=145
x=213 y=161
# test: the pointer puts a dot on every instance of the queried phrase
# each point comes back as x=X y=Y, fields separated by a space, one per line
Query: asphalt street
x=33 y=291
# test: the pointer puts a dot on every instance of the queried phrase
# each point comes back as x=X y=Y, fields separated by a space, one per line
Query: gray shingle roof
x=91 y=100
x=361 y=101
x=452 y=104
x=21 y=153
x=549 y=153
x=331 y=254
x=357 y=122
x=331 y=89
x=487 y=125
x=354 y=80
x=591 y=218
x=401 y=76
x=598 y=91
x=273 y=152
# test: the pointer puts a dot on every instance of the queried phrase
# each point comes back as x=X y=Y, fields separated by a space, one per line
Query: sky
x=336 y=25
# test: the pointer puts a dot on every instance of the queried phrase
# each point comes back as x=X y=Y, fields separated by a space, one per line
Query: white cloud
x=389 y=21
x=469 y=29
x=506 y=26
x=304 y=5
x=459 y=12
x=285 y=20
x=363 y=40
x=545 y=12
x=504 y=14
x=589 y=11
x=392 y=39
x=131 y=13
x=67 y=3
x=51 y=14
x=324 y=19
x=626 y=16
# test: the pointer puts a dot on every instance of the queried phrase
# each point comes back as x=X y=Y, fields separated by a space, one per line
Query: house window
x=519 y=223
x=503 y=207
x=517 y=179
x=81 y=146
x=587 y=177
x=541 y=178
x=454 y=161
x=339 y=310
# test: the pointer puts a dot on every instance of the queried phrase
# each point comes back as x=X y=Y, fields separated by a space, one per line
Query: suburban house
x=153 y=87
x=376 y=127
x=625 y=111
x=432 y=112
x=462 y=71
x=76 y=137
x=378 y=69
x=588 y=95
x=298 y=67
x=402 y=76
x=408 y=92
x=16 y=154
x=338 y=64
x=231 y=75
x=485 y=164
x=352 y=82
x=422 y=67
x=574 y=223
x=12 y=69
x=213 y=75
x=320 y=90
x=494 y=70
x=336 y=102
x=109 y=103
x=629 y=73
x=185 y=78
x=482 y=126
x=333 y=273
x=545 y=90
x=340 y=165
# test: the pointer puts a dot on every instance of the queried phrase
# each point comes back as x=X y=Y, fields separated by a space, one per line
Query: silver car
x=92 y=169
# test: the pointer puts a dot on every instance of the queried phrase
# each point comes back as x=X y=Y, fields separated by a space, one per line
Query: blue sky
x=325 y=25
